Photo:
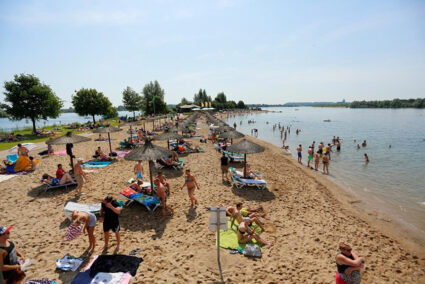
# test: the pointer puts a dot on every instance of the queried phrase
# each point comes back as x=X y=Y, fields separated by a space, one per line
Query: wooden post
x=110 y=147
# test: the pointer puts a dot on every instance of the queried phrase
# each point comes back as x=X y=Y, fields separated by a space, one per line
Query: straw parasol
x=231 y=134
x=108 y=130
x=168 y=134
x=68 y=138
x=245 y=147
x=148 y=152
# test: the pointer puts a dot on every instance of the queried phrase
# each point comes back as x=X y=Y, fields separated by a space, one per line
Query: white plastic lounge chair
x=243 y=183
x=235 y=172
x=73 y=206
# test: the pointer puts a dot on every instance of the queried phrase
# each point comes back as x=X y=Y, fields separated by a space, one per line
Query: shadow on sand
x=40 y=191
x=255 y=194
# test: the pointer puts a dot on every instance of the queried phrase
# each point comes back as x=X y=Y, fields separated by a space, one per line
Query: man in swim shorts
x=224 y=162
x=310 y=155
x=109 y=214
x=299 y=153
x=79 y=175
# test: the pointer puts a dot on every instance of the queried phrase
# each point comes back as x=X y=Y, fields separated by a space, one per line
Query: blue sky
x=257 y=51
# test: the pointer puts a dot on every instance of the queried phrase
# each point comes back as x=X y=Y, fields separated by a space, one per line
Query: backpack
x=252 y=250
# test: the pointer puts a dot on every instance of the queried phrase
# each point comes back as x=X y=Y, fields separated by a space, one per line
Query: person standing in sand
x=190 y=183
x=163 y=181
x=79 y=175
x=138 y=170
x=310 y=156
x=224 y=163
x=325 y=161
x=109 y=215
x=299 y=153
x=89 y=220
x=160 y=193
x=316 y=161
x=349 y=264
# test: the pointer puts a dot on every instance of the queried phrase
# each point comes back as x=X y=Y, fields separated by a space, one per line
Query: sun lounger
x=59 y=186
x=234 y=157
x=235 y=172
x=130 y=196
x=162 y=163
x=243 y=183
x=73 y=206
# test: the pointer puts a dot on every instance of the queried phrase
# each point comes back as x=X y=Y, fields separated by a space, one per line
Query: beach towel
x=73 y=232
x=109 y=278
x=40 y=281
x=60 y=152
x=116 y=263
x=229 y=238
x=73 y=206
x=121 y=154
x=96 y=164
x=12 y=158
x=68 y=263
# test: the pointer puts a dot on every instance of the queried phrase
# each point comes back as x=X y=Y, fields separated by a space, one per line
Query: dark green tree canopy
x=91 y=102
x=241 y=105
x=201 y=96
x=153 y=99
x=132 y=100
x=27 y=97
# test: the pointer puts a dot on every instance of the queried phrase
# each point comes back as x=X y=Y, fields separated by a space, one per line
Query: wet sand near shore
x=307 y=217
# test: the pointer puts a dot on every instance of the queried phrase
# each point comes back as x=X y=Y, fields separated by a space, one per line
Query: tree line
x=395 y=103
x=26 y=97
x=220 y=101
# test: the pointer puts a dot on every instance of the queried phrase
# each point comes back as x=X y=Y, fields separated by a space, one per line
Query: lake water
x=392 y=182
x=7 y=125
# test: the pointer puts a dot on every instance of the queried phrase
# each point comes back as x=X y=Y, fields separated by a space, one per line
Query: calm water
x=64 y=118
x=394 y=180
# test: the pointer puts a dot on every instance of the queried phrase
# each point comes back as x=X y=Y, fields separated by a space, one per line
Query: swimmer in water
x=366 y=158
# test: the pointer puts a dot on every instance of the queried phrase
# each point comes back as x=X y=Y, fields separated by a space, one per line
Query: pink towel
x=121 y=154
x=60 y=152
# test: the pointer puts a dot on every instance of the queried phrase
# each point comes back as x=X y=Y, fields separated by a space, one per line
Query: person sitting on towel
x=98 y=154
x=246 y=234
x=66 y=178
x=237 y=215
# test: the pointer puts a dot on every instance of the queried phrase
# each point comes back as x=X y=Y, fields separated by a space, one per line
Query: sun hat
x=4 y=230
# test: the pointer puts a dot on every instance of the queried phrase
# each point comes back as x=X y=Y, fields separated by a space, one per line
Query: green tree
x=27 y=97
x=184 y=102
x=132 y=100
x=91 y=102
x=153 y=99
x=231 y=104
x=112 y=112
x=241 y=105
x=220 y=101
x=201 y=97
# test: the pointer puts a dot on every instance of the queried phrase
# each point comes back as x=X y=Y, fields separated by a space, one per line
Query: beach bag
x=252 y=250
x=73 y=232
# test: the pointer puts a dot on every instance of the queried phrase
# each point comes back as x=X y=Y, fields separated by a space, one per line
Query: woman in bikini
x=246 y=234
x=190 y=182
x=325 y=164
x=89 y=220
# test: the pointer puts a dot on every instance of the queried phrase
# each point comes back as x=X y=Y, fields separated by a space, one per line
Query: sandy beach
x=307 y=217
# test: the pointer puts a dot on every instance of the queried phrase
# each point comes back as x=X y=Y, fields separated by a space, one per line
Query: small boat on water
x=327 y=120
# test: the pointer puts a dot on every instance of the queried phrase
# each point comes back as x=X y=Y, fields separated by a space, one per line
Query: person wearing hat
x=11 y=268
x=79 y=175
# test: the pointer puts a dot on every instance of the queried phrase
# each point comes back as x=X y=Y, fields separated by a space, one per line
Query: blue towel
x=12 y=158
x=96 y=164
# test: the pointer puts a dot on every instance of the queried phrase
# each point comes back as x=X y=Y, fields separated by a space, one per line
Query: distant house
x=188 y=107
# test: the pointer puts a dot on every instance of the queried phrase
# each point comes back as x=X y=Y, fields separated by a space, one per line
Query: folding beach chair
x=73 y=206
x=130 y=196
x=243 y=183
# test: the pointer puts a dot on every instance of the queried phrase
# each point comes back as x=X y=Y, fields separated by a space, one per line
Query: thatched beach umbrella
x=108 y=130
x=168 y=134
x=69 y=140
x=245 y=147
x=231 y=134
x=148 y=152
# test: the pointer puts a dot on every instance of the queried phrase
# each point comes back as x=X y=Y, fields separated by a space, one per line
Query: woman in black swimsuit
x=190 y=182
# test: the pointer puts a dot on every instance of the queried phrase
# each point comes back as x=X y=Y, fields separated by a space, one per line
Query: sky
x=257 y=51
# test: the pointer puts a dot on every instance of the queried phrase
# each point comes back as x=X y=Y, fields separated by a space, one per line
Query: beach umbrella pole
x=168 y=144
x=109 y=139
x=150 y=174
x=244 y=169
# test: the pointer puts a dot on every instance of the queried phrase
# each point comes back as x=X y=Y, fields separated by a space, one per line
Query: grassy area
x=30 y=138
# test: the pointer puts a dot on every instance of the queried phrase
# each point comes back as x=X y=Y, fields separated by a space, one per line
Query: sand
x=307 y=216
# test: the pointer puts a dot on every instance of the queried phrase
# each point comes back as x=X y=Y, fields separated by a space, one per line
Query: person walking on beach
x=79 y=175
x=10 y=257
x=138 y=170
x=190 y=183
x=316 y=161
x=310 y=156
x=161 y=194
x=299 y=153
x=349 y=264
x=109 y=215
x=89 y=220
x=328 y=151
x=224 y=162
x=366 y=158
x=325 y=161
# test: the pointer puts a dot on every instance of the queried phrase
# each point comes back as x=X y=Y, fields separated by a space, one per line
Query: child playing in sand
x=138 y=170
